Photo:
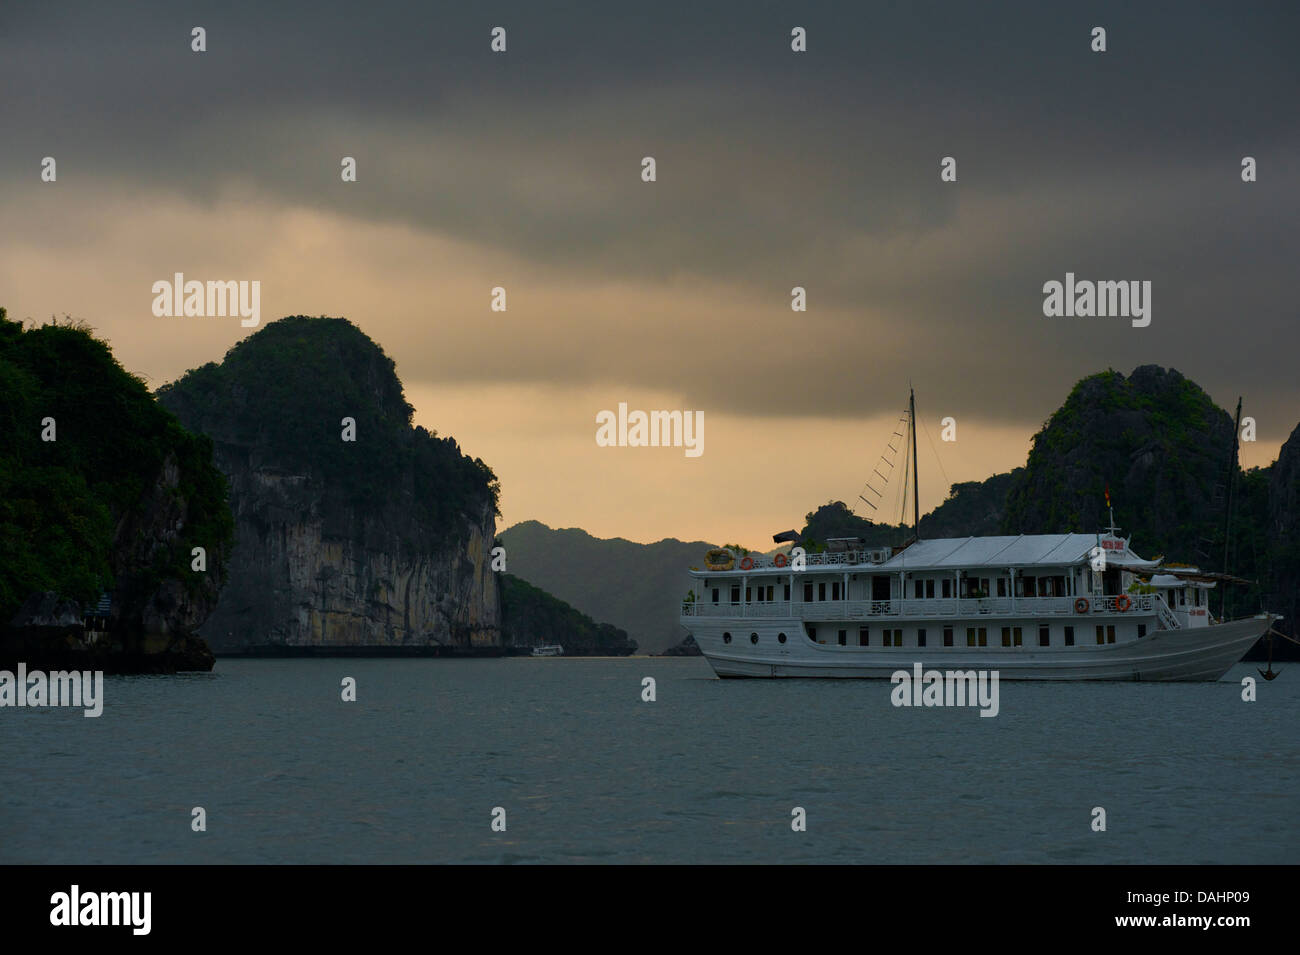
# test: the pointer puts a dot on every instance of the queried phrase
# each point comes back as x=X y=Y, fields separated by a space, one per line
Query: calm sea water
x=587 y=772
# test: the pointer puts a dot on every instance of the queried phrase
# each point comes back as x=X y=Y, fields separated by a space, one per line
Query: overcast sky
x=774 y=169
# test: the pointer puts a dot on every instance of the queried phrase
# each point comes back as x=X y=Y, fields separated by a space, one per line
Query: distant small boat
x=551 y=650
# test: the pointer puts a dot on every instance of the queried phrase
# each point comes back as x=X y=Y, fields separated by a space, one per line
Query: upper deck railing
x=952 y=607
x=828 y=558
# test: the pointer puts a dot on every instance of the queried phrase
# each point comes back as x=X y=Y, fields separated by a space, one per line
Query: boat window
x=1142 y=630
x=735 y=595
x=1006 y=636
x=787 y=593
x=1069 y=636
x=929 y=588
x=726 y=638
x=749 y=594
x=947 y=588
x=1110 y=634
x=715 y=594
x=780 y=638
x=984 y=636
x=970 y=636
x=753 y=638
x=1044 y=635
x=947 y=636
x=864 y=636
x=844 y=638
x=821 y=591
x=920 y=638
x=1002 y=586
x=807 y=593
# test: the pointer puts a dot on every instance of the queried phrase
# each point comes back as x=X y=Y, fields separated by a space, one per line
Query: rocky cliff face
x=306 y=572
x=148 y=607
x=383 y=540
x=1155 y=439
x=109 y=495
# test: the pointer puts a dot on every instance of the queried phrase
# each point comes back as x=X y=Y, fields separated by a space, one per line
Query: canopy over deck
x=1024 y=550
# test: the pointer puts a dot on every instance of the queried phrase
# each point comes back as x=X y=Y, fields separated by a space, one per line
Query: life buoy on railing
x=1081 y=605
x=747 y=563
x=1122 y=603
x=780 y=560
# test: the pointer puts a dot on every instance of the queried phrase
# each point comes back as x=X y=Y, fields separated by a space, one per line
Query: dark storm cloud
x=818 y=170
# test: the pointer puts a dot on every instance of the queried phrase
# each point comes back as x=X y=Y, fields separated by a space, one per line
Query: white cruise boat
x=549 y=650
x=1032 y=607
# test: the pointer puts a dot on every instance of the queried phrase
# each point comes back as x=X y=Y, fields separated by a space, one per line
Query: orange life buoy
x=747 y=563
x=1122 y=603
x=780 y=560
x=1081 y=605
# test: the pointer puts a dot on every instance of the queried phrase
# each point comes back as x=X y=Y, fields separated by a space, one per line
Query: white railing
x=1135 y=602
x=848 y=557
x=949 y=607
x=767 y=608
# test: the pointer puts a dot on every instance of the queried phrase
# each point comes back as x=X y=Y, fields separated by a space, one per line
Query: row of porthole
x=753 y=638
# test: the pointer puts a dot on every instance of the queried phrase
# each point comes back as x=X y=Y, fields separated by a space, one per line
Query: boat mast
x=1227 y=514
x=916 y=496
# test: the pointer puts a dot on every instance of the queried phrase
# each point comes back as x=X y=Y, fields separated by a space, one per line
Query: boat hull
x=1195 y=654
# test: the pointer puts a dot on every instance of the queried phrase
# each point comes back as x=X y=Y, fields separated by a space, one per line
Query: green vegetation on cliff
x=284 y=392
x=638 y=587
x=1155 y=439
x=62 y=502
x=531 y=617
x=972 y=508
x=835 y=519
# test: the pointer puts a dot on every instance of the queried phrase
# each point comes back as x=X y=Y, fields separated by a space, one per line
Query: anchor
x=1270 y=673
